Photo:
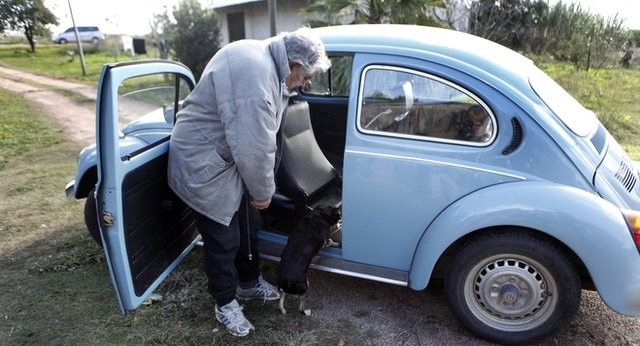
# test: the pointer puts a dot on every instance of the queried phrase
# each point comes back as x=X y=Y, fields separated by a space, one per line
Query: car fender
x=86 y=174
x=593 y=228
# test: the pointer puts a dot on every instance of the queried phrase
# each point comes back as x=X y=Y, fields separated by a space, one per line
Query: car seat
x=305 y=178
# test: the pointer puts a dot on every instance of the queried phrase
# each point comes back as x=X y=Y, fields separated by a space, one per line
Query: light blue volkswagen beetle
x=450 y=156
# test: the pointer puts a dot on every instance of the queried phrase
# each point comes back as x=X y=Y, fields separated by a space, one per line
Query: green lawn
x=611 y=93
x=62 y=61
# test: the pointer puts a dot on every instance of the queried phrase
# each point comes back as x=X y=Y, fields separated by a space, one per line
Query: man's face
x=476 y=119
x=296 y=78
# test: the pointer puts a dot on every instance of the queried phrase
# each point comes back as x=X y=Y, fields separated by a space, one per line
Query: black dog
x=305 y=240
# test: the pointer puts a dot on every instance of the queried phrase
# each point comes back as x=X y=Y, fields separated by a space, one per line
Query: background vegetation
x=191 y=32
x=563 y=32
x=29 y=17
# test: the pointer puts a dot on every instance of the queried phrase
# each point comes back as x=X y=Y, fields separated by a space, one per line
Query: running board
x=329 y=260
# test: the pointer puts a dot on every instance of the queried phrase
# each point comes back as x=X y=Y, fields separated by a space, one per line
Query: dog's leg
x=281 y=303
x=303 y=302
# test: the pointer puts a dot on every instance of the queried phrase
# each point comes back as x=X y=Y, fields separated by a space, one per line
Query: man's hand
x=260 y=204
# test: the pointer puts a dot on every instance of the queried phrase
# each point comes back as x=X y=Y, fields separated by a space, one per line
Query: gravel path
x=399 y=315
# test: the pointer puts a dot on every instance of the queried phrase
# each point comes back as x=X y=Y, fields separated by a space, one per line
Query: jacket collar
x=279 y=55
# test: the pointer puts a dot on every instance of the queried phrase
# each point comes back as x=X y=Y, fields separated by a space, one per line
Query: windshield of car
x=578 y=119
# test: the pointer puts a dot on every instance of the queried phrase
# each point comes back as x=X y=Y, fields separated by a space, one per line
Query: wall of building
x=256 y=18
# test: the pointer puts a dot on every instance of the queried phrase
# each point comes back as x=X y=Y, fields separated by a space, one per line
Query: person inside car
x=473 y=125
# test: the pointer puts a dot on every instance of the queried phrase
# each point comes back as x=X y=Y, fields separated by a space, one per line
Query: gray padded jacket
x=224 y=139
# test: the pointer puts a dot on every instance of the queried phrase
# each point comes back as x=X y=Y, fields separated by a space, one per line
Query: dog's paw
x=306 y=312
x=331 y=243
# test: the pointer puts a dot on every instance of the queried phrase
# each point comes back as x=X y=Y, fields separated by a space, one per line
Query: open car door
x=146 y=230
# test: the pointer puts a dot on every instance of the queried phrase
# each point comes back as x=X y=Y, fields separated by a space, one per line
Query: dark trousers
x=230 y=252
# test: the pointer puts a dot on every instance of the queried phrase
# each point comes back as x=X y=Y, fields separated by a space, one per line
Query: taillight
x=633 y=222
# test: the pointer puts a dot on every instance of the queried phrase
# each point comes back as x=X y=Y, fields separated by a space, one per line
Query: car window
x=149 y=94
x=333 y=82
x=402 y=102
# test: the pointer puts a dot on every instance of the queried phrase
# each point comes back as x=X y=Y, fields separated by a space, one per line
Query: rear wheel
x=512 y=288
x=91 y=217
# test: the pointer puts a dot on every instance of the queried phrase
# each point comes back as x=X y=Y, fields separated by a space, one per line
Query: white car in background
x=87 y=34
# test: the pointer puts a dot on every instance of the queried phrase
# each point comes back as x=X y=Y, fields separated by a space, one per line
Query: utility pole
x=78 y=43
x=273 y=17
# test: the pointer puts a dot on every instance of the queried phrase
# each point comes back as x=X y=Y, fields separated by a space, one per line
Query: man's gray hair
x=305 y=48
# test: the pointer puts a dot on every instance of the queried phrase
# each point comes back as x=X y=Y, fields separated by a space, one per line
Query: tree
x=27 y=16
x=584 y=39
x=192 y=34
x=634 y=37
x=455 y=15
x=332 y=12
x=508 y=22
x=565 y=32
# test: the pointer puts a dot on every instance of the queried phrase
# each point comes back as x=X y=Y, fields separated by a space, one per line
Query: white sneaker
x=262 y=290
x=232 y=317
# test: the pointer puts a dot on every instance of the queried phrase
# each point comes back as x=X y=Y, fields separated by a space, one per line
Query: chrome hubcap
x=511 y=293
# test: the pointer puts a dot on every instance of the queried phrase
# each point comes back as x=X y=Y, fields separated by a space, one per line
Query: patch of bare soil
x=74 y=119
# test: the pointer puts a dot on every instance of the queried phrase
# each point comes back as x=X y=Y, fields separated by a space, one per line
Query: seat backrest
x=304 y=168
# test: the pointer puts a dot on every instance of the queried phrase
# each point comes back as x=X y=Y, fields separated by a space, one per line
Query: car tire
x=512 y=288
x=62 y=41
x=95 y=41
x=91 y=217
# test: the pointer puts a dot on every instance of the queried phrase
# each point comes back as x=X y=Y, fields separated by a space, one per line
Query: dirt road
x=76 y=120
x=398 y=315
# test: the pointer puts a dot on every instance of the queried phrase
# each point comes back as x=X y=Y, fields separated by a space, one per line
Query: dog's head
x=319 y=221
x=330 y=215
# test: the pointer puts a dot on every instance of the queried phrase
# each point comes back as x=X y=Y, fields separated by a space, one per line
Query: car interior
x=305 y=178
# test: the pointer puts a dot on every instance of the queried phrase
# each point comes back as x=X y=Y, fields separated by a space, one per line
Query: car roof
x=469 y=53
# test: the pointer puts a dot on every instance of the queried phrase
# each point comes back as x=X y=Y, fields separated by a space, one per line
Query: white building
x=240 y=19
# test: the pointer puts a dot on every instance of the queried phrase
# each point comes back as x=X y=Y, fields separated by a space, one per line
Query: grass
x=55 y=284
x=54 y=280
x=612 y=94
x=63 y=61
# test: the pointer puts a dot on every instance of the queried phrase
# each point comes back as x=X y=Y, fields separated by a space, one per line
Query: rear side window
x=406 y=103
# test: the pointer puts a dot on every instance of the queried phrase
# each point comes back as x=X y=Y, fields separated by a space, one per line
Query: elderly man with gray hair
x=222 y=157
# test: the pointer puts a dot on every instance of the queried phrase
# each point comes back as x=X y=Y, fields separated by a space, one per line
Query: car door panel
x=146 y=229
x=157 y=224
